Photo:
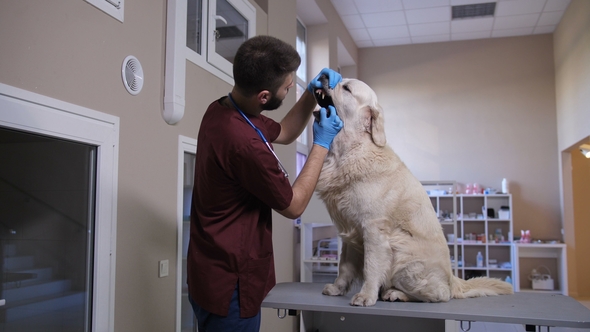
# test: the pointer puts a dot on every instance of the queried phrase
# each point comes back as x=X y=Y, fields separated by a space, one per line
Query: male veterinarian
x=239 y=179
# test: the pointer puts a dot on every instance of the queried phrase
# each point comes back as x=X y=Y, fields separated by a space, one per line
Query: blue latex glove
x=333 y=78
x=326 y=128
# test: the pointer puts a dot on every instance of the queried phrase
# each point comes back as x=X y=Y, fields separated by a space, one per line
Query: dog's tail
x=481 y=286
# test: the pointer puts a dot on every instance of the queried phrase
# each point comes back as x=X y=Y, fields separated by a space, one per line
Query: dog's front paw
x=333 y=290
x=363 y=300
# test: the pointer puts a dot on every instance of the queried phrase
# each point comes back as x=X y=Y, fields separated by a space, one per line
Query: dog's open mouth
x=322 y=96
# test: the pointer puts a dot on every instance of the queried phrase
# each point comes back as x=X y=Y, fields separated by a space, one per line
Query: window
x=111 y=7
x=301 y=85
x=208 y=33
x=301 y=45
x=302 y=49
x=214 y=31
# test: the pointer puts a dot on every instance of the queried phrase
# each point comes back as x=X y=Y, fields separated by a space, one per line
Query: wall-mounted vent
x=475 y=10
x=132 y=75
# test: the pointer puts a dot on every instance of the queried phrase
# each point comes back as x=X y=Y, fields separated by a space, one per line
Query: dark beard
x=272 y=104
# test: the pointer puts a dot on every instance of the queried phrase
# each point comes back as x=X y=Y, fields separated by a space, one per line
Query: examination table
x=334 y=313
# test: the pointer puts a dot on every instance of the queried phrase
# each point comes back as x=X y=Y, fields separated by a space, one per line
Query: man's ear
x=263 y=96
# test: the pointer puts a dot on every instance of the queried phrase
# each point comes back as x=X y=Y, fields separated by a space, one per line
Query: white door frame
x=185 y=145
x=31 y=112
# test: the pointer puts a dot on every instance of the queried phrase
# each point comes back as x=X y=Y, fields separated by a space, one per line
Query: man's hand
x=326 y=128
x=333 y=79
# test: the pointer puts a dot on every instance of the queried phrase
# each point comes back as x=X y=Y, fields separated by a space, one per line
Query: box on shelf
x=545 y=283
x=504 y=213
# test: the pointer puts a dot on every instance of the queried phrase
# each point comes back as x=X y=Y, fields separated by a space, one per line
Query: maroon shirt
x=237 y=184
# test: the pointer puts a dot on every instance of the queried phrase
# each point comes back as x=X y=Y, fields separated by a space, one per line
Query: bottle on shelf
x=479 y=259
x=505 y=189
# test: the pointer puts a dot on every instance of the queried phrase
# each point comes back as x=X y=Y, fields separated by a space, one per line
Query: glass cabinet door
x=231 y=22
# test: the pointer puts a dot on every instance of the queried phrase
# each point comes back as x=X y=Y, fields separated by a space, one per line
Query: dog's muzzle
x=322 y=96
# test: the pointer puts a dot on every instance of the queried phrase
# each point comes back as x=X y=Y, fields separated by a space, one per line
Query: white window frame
x=114 y=8
x=303 y=67
x=209 y=59
x=303 y=140
x=247 y=11
x=185 y=145
x=177 y=52
x=35 y=113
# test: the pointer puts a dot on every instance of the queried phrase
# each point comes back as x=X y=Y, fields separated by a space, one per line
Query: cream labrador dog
x=392 y=240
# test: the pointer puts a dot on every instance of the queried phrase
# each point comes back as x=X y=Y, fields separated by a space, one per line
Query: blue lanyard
x=281 y=167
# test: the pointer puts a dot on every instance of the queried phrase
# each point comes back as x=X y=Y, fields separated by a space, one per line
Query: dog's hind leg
x=378 y=261
x=349 y=269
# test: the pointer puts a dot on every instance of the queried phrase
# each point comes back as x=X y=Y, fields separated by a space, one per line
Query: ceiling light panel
x=509 y=8
x=373 y=6
x=353 y=22
x=550 y=18
x=518 y=21
x=416 y=4
x=430 y=29
x=472 y=25
x=384 y=19
x=429 y=15
x=389 y=32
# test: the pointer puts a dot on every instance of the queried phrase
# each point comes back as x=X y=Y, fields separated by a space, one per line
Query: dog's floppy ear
x=374 y=124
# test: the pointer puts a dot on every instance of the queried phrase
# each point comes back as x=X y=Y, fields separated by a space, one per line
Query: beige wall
x=572 y=74
x=469 y=111
x=71 y=51
x=572 y=85
x=475 y=111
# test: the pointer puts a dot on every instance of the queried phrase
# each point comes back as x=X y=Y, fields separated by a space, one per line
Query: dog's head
x=357 y=106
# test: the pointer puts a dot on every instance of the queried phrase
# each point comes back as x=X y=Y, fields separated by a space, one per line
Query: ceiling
x=375 y=23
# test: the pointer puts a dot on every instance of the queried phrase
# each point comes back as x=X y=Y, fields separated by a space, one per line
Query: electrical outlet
x=163 y=270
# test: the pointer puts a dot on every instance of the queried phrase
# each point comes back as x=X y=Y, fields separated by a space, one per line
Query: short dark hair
x=262 y=63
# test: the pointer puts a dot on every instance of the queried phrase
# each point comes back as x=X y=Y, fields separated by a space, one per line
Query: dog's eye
x=346 y=88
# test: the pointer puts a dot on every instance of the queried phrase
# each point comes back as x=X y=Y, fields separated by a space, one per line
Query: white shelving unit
x=319 y=254
x=314 y=267
x=464 y=216
x=472 y=230
x=552 y=255
x=447 y=217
